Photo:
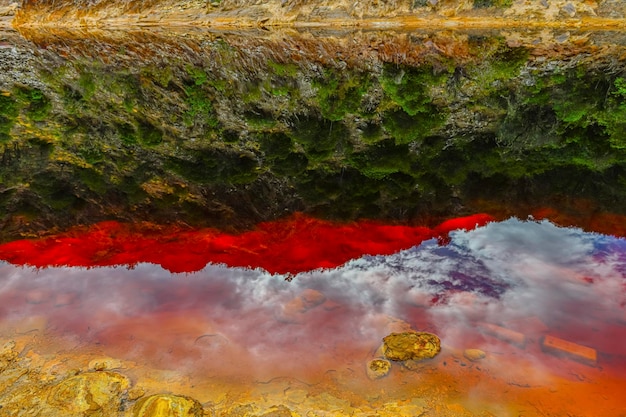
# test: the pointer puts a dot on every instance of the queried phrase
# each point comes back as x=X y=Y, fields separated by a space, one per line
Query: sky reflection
x=530 y=277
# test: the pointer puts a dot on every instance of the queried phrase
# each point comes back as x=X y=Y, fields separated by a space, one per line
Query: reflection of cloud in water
x=512 y=273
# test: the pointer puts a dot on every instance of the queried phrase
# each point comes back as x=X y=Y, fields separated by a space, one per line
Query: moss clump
x=148 y=134
x=339 y=94
x=87 y=83
x=409 y=87
x=405 y=128
x=8 y=114
x=382 y=160
x=37 y=105
x=200 y=107
x=280 y=156
x=283 y=69
x=127 y=133
x=320 y=138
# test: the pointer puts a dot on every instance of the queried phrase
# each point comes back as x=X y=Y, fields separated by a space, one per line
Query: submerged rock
x=167 y=405
x=474 y=354
x=411 y=346
x=89 y=394
x=378 y=368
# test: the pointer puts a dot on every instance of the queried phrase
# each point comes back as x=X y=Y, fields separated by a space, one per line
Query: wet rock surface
x=378 y=368
x=411 y=346
x=90 y=393
x=474 y=354
x=167 y=405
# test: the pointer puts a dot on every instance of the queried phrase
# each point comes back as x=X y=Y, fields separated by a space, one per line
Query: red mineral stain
x=288 y=246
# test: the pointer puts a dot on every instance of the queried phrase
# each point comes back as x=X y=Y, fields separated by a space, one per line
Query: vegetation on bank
x=209 y=140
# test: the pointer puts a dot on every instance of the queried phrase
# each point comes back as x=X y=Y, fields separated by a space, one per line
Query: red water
x=219 y=326
x=289 y=246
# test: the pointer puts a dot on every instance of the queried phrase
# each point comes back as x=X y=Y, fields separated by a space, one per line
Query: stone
x=65 y=299
x=36 y=296
x=167 y=405
x=105 y=364
x=135 y=393
x=569 y=10
x=378 y=368
x=511 y=336
x=312 y=298
x=411 y=346
x=571 y=350
x=474 y=354
x=85 y=393
x=278 y=411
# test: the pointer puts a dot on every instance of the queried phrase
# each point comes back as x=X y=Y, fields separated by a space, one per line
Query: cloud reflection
x=531 y=277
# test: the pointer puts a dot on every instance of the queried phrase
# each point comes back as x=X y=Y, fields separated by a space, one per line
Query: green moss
x=320 y=138
x=8 y=107
x=282 y=69
x=148 y=134
x=37 y=104
x=620 y=87
x=409 y=87
x=198 y=75
x=93 y=180
x=339 y=93
x=405 y=128
x=200 y=107
x=382 y=160
x=260 y=120
x=87 y=84
x=8 y=114
x=160 y=75
x=372 y=133
x=127 y=133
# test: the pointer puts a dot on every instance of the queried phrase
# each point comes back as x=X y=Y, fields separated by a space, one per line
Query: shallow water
x=233 y=334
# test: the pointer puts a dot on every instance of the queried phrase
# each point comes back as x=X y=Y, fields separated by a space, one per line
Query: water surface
x=225 y=327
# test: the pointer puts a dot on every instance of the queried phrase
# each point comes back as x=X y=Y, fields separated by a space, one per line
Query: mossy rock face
x=89 y=394
x=167 y=405
x=408 y=346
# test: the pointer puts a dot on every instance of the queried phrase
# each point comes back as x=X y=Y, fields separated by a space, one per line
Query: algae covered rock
x=167 y=405
x=377 y=368
x=408 y=346
x=89 y=394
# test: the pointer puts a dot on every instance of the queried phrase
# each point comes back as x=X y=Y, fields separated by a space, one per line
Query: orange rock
x=568 y=349
x=515 y=338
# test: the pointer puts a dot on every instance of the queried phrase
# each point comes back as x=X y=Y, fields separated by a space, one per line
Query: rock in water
x=378 y=368
x=167 y=405
x=474 y=354
x=411 y=346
